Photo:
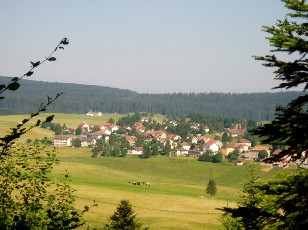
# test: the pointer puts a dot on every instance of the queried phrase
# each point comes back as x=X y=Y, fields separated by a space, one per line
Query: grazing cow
x=139 y=183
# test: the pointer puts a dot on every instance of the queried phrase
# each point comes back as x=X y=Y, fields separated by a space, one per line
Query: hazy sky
x=157 y=46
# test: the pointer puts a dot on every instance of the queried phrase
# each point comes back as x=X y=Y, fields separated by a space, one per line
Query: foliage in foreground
x=28 y=198
x=290 y=127
x=280 y=203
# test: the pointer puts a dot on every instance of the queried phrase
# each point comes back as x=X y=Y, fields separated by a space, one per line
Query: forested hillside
x=83 y=98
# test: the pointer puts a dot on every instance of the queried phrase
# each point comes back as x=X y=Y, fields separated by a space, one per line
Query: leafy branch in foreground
x=19 y=130
x=29 y=199
x=14 y=85
x=290 y=127
x=280 y=203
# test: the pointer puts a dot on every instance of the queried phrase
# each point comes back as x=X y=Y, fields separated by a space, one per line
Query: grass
x=7 y=122
x=176 y=198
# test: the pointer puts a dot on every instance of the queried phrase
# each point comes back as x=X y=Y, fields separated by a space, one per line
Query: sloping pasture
x=176 y=198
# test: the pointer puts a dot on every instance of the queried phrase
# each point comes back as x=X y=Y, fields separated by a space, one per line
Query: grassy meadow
x=176 y=198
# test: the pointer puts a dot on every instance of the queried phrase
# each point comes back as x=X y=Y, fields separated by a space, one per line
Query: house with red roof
x=136 y=151
x=213 y=145
x=131 y=140
x=84 y=127
x=160 y=134
x=235 y=132
x=185 y=145
x=174 y=137
x=245 y=142
x=98 y=134
x=105 y=126
x=203 y=139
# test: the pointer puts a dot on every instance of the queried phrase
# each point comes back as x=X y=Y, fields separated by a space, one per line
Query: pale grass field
x=158 y=211
x=7 y=122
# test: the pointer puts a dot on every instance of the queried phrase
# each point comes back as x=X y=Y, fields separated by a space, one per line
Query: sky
x=148 y=46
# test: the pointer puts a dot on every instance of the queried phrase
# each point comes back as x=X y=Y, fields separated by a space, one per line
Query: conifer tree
x=289 y=36
x=281 y=203
x=123 y=218
x=211 y=188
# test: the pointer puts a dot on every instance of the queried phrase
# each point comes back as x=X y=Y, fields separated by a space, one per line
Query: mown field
x=176 y=198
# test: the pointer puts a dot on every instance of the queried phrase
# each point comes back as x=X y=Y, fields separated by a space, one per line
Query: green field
x=176 y=198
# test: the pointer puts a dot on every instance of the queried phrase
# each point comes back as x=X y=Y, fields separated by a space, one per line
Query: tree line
x=83 y=98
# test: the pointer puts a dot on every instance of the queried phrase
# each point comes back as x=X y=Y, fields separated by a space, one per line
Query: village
x=195 y=144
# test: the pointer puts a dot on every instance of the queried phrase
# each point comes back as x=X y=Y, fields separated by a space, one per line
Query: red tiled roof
x=260 y=147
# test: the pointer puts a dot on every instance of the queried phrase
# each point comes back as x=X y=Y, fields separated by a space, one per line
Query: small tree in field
x=211 y=188
x=123 y=218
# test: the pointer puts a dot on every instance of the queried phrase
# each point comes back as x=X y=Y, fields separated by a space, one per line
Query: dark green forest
x=83 y=98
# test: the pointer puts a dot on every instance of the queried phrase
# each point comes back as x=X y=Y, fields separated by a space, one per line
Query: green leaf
x=38 y=123
x=1 y=98
x=61 y=47
x=25 y=121
x=13 y=86
x=35 y=64
x=2 y=87
x=52 y=59
x=64 y=41
x=50 y=118
x=29 y=73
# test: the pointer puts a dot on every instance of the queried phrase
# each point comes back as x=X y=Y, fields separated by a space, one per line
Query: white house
x=212 y=145
x=86 y=142
x=185 y=145
x=181 y=152
x=62 y=140
x=114 y=128
x=136 y=151
x=85 y=127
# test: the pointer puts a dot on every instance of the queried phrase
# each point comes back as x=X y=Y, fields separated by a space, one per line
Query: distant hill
x=83 y=98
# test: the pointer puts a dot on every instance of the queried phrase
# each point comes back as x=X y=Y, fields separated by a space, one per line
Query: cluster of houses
x=194 y=145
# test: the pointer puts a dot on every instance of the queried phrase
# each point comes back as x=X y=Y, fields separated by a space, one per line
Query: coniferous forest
x=83 y=98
